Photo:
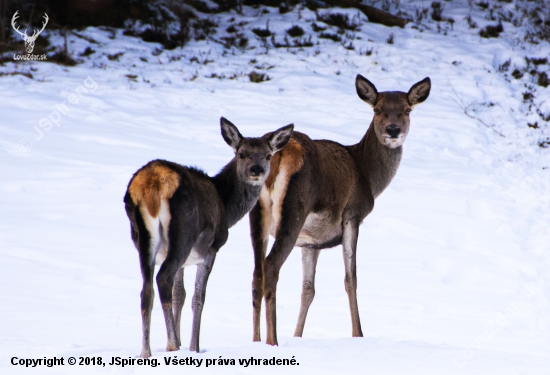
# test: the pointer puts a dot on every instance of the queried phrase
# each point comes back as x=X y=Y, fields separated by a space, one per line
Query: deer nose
x=256 y=169
x=393 y=130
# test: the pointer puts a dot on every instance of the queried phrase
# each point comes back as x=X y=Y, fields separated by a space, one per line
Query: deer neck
x=376 y=162
x=237 y=196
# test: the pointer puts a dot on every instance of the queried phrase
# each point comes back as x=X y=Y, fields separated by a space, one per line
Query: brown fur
x=290 y=158
x=152 y=184
x=318 y=201
x=283 y=165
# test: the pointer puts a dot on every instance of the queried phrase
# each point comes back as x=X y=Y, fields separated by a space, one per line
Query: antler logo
x=29 y=40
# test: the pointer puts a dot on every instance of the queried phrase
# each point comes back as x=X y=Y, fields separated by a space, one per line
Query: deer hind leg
x=272 y=266
x=147 y=296
x=165 y=282
x=203 y=272
x=293 y=215
x=178 y=299
x=259 y=233
x=180 y=243
x=142 y=241
x=309 y=264
x=349 y=245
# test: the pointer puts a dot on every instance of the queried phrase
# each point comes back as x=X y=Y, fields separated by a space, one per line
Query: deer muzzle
x=256 y=170
x=393 y=130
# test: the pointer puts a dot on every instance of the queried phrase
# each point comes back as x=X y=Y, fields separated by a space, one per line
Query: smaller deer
x=29 y=40
x=180 y=216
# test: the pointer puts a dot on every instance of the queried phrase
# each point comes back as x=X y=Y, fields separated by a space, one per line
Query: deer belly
x=199 y=250
x=194 y=258
x=319 y=231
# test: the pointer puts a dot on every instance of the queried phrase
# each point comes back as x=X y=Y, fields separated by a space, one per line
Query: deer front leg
x=349 y=245
x=203 y=272
x=178 y=299
x=309 y=264
x=259 y=227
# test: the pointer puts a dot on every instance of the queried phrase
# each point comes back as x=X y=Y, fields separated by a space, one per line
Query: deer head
x=29 y=40
x=392 y=108
x=253 y=154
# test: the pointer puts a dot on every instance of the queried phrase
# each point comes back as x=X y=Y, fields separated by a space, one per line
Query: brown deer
x=180 y=216
x=318 y=193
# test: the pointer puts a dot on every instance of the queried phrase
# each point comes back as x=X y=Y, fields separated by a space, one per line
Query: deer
x=317 y=194
x=179 y=216
x=29 y=40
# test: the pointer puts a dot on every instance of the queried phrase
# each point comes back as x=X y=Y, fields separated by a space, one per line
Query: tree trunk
x=374 y=14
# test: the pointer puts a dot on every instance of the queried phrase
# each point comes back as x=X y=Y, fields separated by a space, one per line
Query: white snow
x=453 y=263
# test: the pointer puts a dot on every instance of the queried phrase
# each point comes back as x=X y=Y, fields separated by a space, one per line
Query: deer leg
x=349 y=244
x=142 y=240
x=309 y=264
x=178 y=299
x=260 y=236
x=273 y=263
x=293 y=216
x=165 y=282
x=182 y=236
x=201 y=280
x=147 y=296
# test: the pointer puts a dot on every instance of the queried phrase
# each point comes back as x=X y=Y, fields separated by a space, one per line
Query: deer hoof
x=145 y=353
x=172 y=348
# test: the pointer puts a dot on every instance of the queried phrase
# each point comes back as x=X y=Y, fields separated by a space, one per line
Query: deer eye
x=376 y=111
x=407 y=111
x=268 y=157
x=241 y=155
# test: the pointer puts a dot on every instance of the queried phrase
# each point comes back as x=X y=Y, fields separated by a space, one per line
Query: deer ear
x=366 y=90
x=419 y=91
x=279 y=138
x=230 y=133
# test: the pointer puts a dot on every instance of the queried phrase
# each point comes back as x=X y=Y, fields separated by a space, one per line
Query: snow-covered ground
x=453 y=263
